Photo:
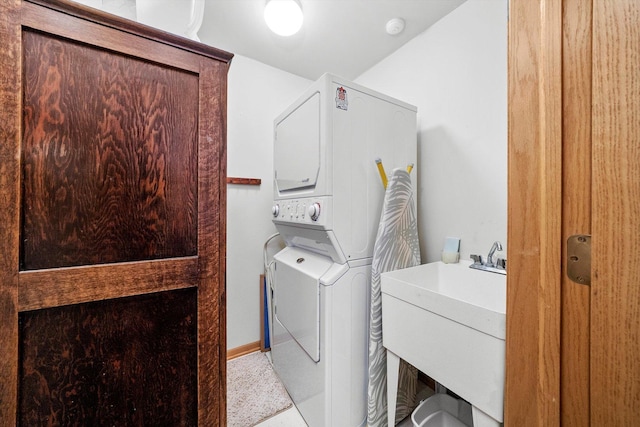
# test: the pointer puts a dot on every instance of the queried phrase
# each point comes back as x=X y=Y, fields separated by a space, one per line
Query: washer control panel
x=301 y=211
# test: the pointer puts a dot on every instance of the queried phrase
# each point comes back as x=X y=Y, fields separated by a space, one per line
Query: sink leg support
x=393 y=367
x=480 y=419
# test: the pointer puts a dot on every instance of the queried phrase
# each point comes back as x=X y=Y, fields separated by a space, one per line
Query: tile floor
x=289 y=418
x=292 y=418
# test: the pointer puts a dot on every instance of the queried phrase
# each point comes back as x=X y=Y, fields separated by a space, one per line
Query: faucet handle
x=501 y=263
x=477 y=259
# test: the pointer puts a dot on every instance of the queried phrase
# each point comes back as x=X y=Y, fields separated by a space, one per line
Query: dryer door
x=297 y=296
x=297 y=147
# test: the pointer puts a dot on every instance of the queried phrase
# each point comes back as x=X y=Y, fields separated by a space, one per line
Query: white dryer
x=327 y=202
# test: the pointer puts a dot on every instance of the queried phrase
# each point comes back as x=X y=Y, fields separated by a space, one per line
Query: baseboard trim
x=243 y=349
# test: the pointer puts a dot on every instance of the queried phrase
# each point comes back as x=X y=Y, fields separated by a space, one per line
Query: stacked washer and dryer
x=327 y=201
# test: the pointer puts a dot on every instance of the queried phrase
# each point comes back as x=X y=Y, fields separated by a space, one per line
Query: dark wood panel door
x=112 y=194
x=109 y=156
x=120 y=362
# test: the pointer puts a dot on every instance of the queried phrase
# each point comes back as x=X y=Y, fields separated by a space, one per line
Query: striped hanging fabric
x=396 y=247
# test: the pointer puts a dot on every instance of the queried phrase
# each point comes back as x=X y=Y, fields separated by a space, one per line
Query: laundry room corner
x=257 y=93
x=456 y=74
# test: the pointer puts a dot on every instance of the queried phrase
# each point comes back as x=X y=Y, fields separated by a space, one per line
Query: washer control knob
x=314 y=211
x=275 y=210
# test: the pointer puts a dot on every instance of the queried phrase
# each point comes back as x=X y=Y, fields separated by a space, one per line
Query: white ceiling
x=344 y=37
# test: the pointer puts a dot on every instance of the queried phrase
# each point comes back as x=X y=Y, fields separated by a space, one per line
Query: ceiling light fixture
x=283 y=17
x=395 y=26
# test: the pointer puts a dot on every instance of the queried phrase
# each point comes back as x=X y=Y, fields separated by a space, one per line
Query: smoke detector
x=395 y=26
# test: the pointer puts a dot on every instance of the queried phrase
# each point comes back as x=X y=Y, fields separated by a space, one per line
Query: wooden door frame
x=532 y=385
x=576 y=207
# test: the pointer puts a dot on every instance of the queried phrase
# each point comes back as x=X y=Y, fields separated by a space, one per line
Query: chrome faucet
x=499 y=266
x=496 y=246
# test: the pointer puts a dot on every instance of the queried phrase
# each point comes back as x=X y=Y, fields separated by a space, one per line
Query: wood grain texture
x=576 y=187
x=109 y=170
x=63 y=286
x=244 y=181
x=615 y=295
x=220 y=258
x=212 y=168
x=534 y=214
x=129 y=361
x=10 y=81
x=76 y=44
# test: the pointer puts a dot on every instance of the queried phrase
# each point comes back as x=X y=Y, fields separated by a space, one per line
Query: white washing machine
x=327 y=201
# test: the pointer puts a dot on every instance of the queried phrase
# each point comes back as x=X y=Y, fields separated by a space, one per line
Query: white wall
x=257 y=93
x=456 y=74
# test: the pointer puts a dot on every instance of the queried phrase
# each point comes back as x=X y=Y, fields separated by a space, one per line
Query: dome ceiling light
x=283 y=17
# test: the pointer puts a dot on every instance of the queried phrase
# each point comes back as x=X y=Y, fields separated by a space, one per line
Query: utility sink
x=473 y=298
x=448 y=320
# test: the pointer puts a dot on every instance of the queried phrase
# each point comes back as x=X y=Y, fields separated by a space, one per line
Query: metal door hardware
x=579 y=258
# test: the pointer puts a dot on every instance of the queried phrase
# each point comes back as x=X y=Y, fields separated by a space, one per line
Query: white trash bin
x=442 y=410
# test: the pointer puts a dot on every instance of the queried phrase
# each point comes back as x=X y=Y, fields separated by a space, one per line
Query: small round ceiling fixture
x=395 y=26
x=283 y=17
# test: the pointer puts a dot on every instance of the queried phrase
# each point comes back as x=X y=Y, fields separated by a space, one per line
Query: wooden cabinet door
x=112 y=176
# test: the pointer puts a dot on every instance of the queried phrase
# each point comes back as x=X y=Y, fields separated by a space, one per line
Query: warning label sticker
x=341 y=99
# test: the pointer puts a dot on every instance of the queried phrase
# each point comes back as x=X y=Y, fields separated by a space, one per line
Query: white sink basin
x=474 y=298
x=449 y=322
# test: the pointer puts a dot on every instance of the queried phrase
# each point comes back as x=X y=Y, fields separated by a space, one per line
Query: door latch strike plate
x=579 y=258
